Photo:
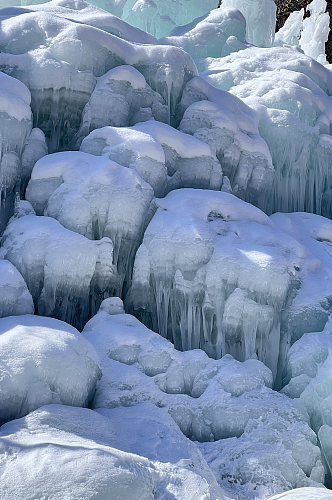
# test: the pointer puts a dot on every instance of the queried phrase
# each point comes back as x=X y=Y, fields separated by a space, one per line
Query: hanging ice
x=67 y=274
x=260 y=16
x=15 y=297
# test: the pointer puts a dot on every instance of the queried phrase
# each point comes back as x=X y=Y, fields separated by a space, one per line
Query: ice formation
x=216 y=273
x=202 y=395
x=15 y=297
x=291 y=93
x=260 y=16
x=43 y=361
x=96 y=197
x=65 y=452
x=67 y=274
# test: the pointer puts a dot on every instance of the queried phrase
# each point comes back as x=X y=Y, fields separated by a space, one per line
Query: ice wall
x=260 y=16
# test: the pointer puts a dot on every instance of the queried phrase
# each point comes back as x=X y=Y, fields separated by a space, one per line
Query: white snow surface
x=15 y=297
x=43 y=361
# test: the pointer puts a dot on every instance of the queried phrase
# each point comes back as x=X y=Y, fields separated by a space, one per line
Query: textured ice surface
x=60 y=57
x=231 y=130
x=96 y=197
x=63 y=452
x=291 y=93
x=260 y=16
x=43 y=361
x=215 y=272
x=15 y=127
x=15 y=297
x=217 y=34
x=67 y=274
x=305 y=494
x=218 y=403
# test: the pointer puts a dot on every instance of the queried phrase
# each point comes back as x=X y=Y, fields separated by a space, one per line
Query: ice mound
x=216 y=273
x=15 y=127
x=59 y=59
x=95 y=197
x=132 y=149
x=231 y=130
x=15 y=297
x=122 y=97
x=34 y=149
x=216 y=402
x=217 y=34
x=67 y=274
x=291 y=93
x=43 y=361
x=65 y=452
x=260 y=16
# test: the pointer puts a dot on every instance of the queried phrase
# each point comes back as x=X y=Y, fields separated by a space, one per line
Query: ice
x=96 y=197
x=122 y=97
x=217 y=34
x=216 y=273
x=291 y=93
x=60 y=59
x=216 y=402
x=133 y=149
x=67 y=274
x=43 y=361
x=260 y=16
x=290 y=33
x=305 y=493
x=15 y=297
x=65 y=452
x=34 y=149
x=15 y=127
x=160 y=18
x=190 y=162
x=231 y=130
x=316 y=30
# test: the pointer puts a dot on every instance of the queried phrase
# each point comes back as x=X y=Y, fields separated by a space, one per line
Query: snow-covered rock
x=67 y=274
x=63 y=452
x=43 y=361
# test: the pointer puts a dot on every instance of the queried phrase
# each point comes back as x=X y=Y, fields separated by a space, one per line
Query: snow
x=304 y=493
x=65 y=452
x=43 y=361
x=67 y=274
x=220 y=403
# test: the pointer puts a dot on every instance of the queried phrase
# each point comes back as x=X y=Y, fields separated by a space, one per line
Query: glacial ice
x=15 y=297
x=64 y=452
x=290 y=91
x=260 y=16
x=216 y=402
x=43 y=361
x=67 y=274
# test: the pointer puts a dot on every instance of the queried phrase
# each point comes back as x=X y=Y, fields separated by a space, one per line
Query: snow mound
x=216 y=402
x=67 y=274
x=305 y=493
x=95 y=197
x=65 y=452
x=43 y=361
x=291 y=93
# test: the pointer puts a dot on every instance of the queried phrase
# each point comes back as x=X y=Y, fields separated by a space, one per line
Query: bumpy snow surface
x=165 y=251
